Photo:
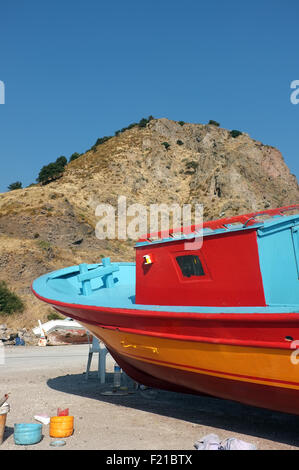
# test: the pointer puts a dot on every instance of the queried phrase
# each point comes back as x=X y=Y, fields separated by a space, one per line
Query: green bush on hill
x=16 y=185
x=54 y=316
x=74 y=156
x=214 y=123
x=142 y=123
x=100 y=141
x=9 y=302
x=52 y=171
x=234 y=133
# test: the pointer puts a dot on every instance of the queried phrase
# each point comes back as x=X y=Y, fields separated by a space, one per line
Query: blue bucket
x=27 y=433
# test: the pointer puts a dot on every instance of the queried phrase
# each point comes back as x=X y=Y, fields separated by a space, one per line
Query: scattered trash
x=43 y=338
x=19 y=341
x=236 y=444
x=212 y=442
x=60 y=332
x=209 y=442
x=61 y=412
x=45 y=419
x=15 y=336
x=58 y=443
x=67 y=324
x=61 y=426
x=42 y=331
x=27 y=433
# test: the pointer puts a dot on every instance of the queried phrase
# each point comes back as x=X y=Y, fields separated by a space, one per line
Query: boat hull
x=240 y=357
x=254 y=376
x=263 y=396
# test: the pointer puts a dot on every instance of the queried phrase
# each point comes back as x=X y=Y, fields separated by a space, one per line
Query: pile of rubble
x=17 y=337
x=53 y=333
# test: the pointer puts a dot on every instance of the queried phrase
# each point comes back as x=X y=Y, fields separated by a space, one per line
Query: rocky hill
x=45 y=227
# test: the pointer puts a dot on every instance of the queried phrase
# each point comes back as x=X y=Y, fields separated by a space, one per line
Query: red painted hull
x=256 y=338
x=252 y=329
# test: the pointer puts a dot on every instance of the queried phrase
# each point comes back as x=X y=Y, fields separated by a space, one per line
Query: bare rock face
x=46 y=227
x=228 y=175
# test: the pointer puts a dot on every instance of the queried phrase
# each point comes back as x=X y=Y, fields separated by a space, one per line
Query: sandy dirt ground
x=42 y=379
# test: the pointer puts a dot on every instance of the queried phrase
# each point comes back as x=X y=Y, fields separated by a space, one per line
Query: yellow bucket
x=61 y=426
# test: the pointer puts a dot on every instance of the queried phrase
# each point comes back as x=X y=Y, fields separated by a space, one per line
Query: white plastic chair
x=97 y=347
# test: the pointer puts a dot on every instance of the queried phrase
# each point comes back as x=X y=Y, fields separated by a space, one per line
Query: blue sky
x=77 y=70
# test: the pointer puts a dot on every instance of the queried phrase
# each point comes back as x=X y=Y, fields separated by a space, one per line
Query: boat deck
x=62 y=286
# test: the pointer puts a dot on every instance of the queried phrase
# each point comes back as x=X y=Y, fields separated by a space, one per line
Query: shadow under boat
x=201 y=410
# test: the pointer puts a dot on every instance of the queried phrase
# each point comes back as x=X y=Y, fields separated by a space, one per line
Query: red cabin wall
x=232 y=273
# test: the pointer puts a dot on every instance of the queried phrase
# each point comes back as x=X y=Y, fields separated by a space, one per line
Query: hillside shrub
x=191 y=167
x=166 y=145
x=44 y=245
x=179 y=142
x=61 y=161
x=234 y=133
x=9 y=301
x=52 y=171
x=74 y=156
x=214 y=123
x=100 y=141
x=54 y=316
x=16 y=185
x=143 y=122
x=181 y=123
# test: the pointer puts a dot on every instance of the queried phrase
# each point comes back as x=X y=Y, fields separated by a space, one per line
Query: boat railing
x=272 y=213
x=227 y=224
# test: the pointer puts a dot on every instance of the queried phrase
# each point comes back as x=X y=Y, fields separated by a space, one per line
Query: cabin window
x=190 y=265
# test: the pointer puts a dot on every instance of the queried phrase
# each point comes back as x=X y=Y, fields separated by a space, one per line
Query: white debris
x=45 y=419
x=212 y=442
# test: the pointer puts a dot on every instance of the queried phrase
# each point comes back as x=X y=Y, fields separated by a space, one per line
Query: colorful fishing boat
x=220 y=320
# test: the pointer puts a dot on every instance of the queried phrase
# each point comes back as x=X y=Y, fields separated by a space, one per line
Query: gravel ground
x=42 y=379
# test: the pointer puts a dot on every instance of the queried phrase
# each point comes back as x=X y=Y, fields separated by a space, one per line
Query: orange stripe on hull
x=270 y=366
